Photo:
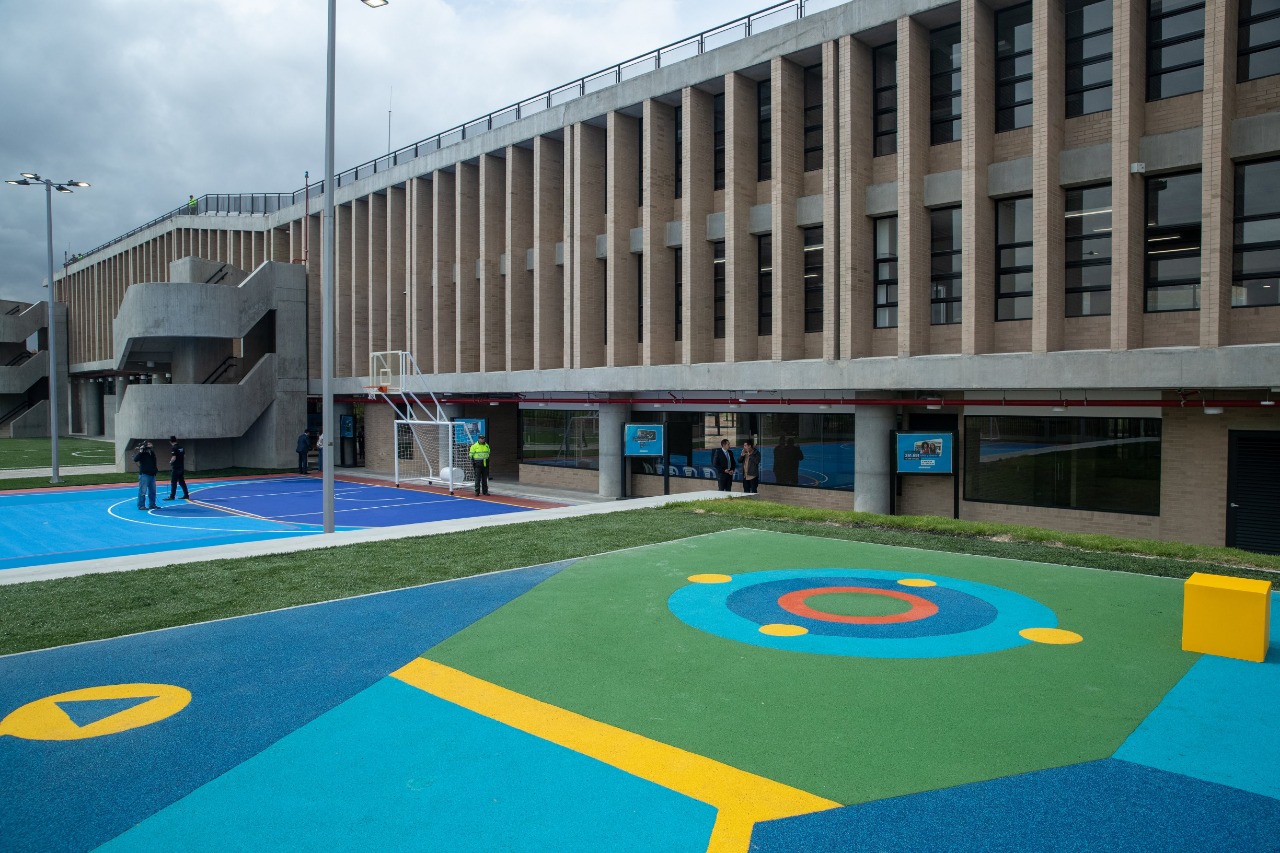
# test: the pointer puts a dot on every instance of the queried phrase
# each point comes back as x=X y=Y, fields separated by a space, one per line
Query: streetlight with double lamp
x=327 y=265
x=30 y=179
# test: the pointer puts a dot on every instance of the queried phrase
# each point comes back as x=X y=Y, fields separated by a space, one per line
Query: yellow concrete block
x=1226 y=616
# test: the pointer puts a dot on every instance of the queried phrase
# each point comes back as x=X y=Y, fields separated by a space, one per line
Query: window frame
x=718 y=269
x=1017 y=298
x=1167 y=232
x=1154 y=46
x=881 y=283
x=764 y=130
x=717 y=141
x=1083 y=240
x=1011 y=116
x=814 y=309
x=1243 y=53
x=1071 y=7
x=764 y=284
x=811 y=118
x=879 y=88
x=952 y=305
x=1241 y=248
x=951 y=120
x=678 y=120
x=677 y=287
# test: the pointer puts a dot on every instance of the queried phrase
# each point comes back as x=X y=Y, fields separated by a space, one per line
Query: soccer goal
x=429 y=446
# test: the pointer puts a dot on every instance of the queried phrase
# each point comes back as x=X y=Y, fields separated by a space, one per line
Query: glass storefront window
x=564 y=439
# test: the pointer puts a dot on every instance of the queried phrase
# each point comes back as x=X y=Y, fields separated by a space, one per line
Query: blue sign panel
x=467 y=430
x=925 y=452
x=644 y=439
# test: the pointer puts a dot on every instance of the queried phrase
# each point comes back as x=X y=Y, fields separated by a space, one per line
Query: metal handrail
x=15 y=411
x=220 y=371
x=265 y=203
x=21 y=358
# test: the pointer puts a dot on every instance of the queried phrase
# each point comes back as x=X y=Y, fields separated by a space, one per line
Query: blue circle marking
x=972 y=618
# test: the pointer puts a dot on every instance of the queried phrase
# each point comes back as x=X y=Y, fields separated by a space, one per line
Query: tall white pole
x=327 y=265
x=53 y=341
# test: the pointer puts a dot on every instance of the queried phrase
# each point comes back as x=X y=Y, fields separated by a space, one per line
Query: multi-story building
x=1051 y=228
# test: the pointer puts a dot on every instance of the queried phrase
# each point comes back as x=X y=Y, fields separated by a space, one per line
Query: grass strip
x=56 y=612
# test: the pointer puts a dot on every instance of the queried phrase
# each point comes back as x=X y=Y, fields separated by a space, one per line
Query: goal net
x=428 y=452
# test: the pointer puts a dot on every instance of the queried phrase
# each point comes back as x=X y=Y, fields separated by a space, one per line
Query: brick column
x=313 y=257
x=621 y=285
x=788 y=179
x=492 y=306
x=834 y=280
x=343 y=289
x=398 y=278
x=467 y=240
x=548 y=230
x=375 y=337
x=977 y=28
x=697 y=156
x=421 y=274
x=852 y=260
x=914 y=309
x=1128 y=122
x=1048 y=111
x=519 y=238
x=588 y=298
x=658 y=147
x=1218 y=179
x=568 y=250
x=444 y=305
x=741 y=341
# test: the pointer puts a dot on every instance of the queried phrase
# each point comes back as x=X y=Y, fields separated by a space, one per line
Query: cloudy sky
x=154 y=101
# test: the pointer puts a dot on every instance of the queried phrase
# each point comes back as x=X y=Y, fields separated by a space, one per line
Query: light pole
x=29 y=179
x=327 y=264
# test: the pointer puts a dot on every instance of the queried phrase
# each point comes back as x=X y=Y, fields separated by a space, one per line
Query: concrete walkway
x=580 y=504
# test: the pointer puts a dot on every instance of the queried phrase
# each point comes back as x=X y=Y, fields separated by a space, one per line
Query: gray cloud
x=152 y=101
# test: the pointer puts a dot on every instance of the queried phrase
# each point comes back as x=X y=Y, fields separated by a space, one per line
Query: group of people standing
x=145 y=458
x=786 y=464
x=304 y=450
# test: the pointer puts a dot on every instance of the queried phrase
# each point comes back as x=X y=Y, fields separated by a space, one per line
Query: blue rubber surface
x=63 y=525
x=253 y=679
x=1101 y=805
x=396 y=768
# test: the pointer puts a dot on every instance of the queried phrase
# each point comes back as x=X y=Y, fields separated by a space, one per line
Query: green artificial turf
x=598 y=639
x=38 y=453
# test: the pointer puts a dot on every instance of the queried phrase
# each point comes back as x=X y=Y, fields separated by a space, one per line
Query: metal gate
x=1253 y=491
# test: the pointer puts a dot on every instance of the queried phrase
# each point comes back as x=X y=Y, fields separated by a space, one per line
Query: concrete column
x=977 y=143
x=659 y=273
x=1048 y=227
x=93 y=408
x=741 y=270
x=872 y=426
x=1128 y=122
x=788 y=177
x=444 y=286
x=852 y=122
x=467 y=240
x=914 y=307
x=519 y=238
x=612 y=419
x=697 y=156
x=621 y=215
x=548 y=276
x=1218 y=177
x=491 y=288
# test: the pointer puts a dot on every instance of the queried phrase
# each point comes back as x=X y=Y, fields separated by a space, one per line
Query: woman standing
x=750 y=467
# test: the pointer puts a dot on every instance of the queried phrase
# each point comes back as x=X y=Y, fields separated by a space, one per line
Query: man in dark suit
x=177 y=470
x=722 y=461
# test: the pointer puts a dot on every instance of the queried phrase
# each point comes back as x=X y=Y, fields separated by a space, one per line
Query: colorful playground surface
x=744 y=690
x=45 y=526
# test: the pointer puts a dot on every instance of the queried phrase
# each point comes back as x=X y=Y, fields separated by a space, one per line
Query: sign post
x=649 y=440
x=928 y=453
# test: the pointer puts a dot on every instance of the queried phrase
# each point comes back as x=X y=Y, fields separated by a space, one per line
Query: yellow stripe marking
x=741 y=798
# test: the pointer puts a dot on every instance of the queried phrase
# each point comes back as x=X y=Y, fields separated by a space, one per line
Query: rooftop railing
x=264 y=203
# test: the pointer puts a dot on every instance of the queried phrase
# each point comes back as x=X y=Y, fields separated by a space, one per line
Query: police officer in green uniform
x=480 y=462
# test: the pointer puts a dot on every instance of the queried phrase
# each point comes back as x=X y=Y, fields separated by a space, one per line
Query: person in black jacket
x=722 y=461
x=303 y=448
x=177 y=470
x=146 y=459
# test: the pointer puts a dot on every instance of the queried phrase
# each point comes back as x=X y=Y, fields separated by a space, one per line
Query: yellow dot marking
x=44 y=720
x=1051 y=636
x=916 y=582
x=780 y=630
x=710 y=578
